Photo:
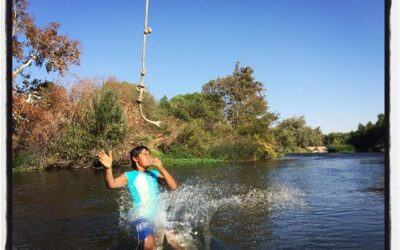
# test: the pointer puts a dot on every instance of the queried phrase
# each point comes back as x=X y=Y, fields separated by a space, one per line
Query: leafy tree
x=242 y=101
x=189 y=107
x=194 y=140
x=164 y=105
x=292 y=133
x=369 y=137
x=31 y=44
x=285 y=140
x=380 y=133
x=336 y=138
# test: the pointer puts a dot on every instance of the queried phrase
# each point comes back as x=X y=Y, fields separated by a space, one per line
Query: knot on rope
x=141 y=88
x=147 y=30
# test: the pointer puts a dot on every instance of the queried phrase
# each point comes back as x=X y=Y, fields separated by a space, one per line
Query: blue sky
x=323 y=59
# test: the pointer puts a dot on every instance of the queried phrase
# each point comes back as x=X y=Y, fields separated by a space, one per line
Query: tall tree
x=242 y=100
x=369 y=137
x=188 y=107
x=31 y=44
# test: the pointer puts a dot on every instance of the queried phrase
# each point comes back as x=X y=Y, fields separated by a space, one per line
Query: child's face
x=144 y=159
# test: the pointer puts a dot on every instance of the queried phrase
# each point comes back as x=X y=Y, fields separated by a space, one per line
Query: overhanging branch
x=23 y=66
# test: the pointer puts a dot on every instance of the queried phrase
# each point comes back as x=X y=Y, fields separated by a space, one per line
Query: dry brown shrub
x=38 y=123
x=81 y=95
x=25 y=117
x=82 y=90
x=126 y=93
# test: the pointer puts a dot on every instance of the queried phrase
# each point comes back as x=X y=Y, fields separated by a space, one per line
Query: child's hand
x=105 y=159
x=156 y=162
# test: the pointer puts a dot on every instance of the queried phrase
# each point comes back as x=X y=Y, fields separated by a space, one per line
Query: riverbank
x=95 y=164
x=169 y=160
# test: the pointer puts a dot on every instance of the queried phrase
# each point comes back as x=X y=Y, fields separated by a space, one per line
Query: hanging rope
x=141 y=87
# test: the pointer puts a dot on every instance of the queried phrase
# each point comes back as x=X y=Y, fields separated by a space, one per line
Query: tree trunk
x=22 y=67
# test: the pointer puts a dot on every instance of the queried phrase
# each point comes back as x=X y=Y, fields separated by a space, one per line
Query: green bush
x=21 y=159
x=76 y=141
x=192 y=141
x=242 y=149
x=109 y=121
x=342 y=148
x=103 y=126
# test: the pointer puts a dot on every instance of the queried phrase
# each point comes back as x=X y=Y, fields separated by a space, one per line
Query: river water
x=314 y=201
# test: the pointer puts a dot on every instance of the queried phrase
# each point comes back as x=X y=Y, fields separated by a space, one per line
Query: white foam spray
x=185 y=214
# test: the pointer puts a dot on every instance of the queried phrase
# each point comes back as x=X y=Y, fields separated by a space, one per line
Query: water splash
x=186 y=213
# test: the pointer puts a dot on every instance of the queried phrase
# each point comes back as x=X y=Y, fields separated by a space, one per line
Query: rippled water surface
x=298 y=202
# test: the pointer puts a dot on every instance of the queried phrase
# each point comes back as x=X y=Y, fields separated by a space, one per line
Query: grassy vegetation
x=342 y=148
x=191 y=161
x=180 y=160
x=20 y=158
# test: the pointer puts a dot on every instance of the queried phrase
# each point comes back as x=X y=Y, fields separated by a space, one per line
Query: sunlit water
x=299 y=202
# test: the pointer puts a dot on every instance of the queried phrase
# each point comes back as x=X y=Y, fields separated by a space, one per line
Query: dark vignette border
x=388 y=4
x=9 y=123
x=387 y=33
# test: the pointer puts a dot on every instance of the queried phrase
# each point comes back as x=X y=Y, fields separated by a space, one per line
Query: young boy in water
x=142 y=184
